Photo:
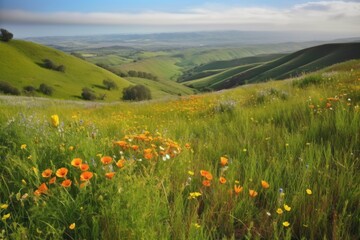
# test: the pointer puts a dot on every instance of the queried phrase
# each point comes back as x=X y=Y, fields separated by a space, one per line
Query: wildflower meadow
x=277 y=160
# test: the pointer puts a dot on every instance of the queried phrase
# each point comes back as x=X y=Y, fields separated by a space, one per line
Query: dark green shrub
x=136 y=93
x=60 y=68
x=7 y=88
x=46 y=89
x=5 y=35
x=88 y=94
x=47 y=63
x=29 y=90
x=110 y=84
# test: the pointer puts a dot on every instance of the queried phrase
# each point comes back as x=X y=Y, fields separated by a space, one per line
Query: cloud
x=333 y=16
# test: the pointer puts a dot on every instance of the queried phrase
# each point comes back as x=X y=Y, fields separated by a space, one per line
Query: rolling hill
x=295 y=64
x=21 y=65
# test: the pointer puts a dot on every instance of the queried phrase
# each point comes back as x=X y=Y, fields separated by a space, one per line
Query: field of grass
x=20 y=65
x=277 y=160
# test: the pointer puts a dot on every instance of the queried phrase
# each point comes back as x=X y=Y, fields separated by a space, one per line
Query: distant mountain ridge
x=306 y=60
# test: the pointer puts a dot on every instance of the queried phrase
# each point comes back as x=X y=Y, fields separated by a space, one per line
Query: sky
x=30 y=18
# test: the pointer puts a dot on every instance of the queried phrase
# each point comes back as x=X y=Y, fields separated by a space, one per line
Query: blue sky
x=133 y=5
x=85 y=17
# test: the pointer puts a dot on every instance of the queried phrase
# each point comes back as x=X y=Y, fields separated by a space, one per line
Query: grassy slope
x=222 y=76
x=19 y=65
x=306 y=60
x=295 y=143
x=162 y=67
x=162 y=88
x=197 y=56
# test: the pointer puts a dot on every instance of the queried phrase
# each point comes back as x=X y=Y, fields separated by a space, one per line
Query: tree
x=136 y=93
x=110 y=84
x=7 y=88
x=46 y=89
x=88 y=94
x=6 y=35
x=29 y=90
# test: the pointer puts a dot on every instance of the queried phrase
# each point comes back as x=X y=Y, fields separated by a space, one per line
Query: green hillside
x=307 y=60
x=163 y=67
x=21 y=65
x=212 y=68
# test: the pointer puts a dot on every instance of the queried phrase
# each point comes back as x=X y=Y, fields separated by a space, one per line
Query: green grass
x=307 y=140
x=20 y=66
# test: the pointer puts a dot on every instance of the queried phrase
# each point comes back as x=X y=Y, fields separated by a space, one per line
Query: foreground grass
x=271 y=161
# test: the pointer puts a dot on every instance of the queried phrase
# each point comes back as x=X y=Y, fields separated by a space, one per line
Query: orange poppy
x=86 y=176
x=147 y=154
x=109 y=175
x=222 y=180
x=206 y=183
x=46 y=173
x=238 y=189
x=135 y=147
x=121 y=144
x=106 y=160
x=206 y=174
x=61 y=172
x=76 y=162
x=265 y=184
x=252 y=193
x=84 y=167
x=66 y=183
x=120 y=163
x=223 y=161
x=42 y=188
x=52 y=180
x=187 y=145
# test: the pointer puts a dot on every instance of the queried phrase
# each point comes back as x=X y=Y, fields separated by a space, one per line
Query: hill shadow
x=99 y=86
x=77 y=96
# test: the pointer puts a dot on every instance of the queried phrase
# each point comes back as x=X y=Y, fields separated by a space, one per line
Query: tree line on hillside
x=29 y=90
x=131 y=93
x=131 y=73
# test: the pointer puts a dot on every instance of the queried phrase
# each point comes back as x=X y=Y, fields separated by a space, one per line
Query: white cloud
x=334 y=16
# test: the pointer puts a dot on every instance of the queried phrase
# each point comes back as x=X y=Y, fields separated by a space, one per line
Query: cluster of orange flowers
x=208 y=177
x=149 y=147
x=330 y=102
x=61 y=173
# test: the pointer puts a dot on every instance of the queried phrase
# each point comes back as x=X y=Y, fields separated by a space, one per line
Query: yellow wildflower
x=191 y=173
x=72 y=226
x=279 y=211
x=4 y=206
x=287 y=208
x=6 y=216
x=55 y=120
x=196 y=225
x=23 y=146
x=308 y=191
x=286 y=224
x=193 y=195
